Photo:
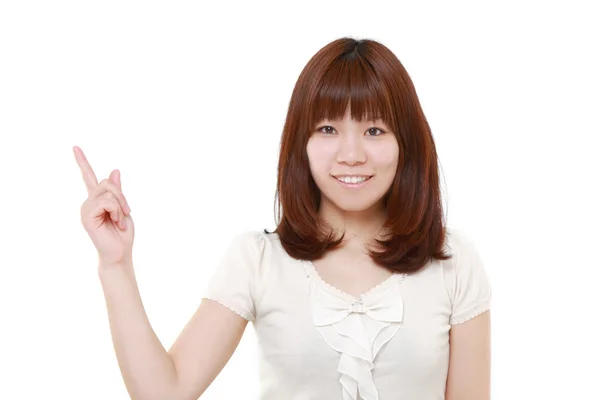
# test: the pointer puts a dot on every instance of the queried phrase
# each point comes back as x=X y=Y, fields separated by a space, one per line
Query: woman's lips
x=357 y=185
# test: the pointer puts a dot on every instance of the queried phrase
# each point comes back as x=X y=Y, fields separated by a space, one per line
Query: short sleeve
x=466 y=279
x=234 y=280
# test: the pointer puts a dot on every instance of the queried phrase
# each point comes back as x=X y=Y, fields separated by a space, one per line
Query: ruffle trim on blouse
x=357 y=328
x=245 y=315
x=480 y=309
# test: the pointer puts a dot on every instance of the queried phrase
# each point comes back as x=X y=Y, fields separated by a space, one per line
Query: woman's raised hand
x=105 y=215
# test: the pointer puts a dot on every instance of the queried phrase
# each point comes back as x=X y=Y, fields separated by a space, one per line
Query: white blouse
x=317 y=342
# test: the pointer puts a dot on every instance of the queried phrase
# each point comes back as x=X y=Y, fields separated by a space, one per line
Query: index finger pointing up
x=86 y=170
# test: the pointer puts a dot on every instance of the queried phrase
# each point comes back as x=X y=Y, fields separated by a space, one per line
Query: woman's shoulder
x=259 y=244
x=457 y=240
x=466 y=278
x=465 y=256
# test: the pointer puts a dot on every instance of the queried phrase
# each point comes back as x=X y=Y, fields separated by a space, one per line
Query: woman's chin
x=355 y=205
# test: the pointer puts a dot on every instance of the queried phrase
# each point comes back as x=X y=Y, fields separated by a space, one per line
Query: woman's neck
x=360 y=227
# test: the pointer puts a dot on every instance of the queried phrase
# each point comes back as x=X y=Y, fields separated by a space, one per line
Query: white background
x=188 y=100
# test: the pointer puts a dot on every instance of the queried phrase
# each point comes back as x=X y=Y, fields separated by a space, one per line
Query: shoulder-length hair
x=367 y=76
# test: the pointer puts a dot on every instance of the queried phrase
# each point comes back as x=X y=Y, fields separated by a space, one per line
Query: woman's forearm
x=147 y=369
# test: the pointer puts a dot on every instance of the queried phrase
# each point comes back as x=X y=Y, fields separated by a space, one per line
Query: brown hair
x=366 y=75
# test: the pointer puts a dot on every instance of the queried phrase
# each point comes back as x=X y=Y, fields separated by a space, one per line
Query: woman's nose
x=351 y=151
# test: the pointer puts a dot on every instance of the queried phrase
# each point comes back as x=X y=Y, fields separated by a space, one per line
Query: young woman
x=361 y=292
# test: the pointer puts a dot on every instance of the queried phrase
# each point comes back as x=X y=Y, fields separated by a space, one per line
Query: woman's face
x=353 y=163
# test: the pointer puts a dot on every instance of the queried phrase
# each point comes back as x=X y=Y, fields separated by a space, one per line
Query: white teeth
x=353 y=179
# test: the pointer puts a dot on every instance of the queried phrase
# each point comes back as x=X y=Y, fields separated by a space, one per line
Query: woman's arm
x=204 y=347
x=470 y=360
x=149 y=371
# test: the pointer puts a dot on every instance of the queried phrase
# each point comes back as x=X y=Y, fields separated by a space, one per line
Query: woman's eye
x=371 y=130
x=326 y=129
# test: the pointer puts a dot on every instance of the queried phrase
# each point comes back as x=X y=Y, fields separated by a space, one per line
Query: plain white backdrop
x=188 y=100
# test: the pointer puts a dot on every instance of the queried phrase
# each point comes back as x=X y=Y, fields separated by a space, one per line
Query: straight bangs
x=351 y=82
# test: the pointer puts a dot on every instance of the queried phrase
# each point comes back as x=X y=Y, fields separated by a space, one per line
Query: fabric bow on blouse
x=358 y=328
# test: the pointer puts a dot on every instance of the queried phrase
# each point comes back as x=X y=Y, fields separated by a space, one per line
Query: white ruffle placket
x=358 y=328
